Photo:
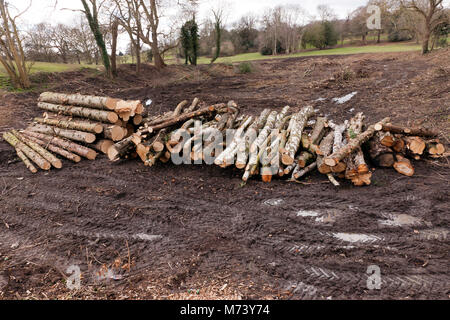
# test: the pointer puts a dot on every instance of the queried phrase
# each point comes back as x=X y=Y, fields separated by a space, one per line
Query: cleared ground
x=194 y=232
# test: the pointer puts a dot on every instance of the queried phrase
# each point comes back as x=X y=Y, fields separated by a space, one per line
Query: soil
x=193 y=232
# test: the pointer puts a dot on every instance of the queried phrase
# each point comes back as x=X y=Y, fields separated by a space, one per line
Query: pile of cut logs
x=283 y=144
x=74 y=126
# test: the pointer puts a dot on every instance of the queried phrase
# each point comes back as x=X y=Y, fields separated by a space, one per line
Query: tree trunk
x=381 y=155
x=26 y=161
x=326 y=147
x=421 y=132
x=55 y=162
x=66 y=144
x=68 y=134
x=92 y=17
x=298 y=124
x=92 y=114
x=426 y=40
x=30 y=153
x=114 y=34
x=103 y=146
x=62 y=152
x=354 y=144
x=95 y=128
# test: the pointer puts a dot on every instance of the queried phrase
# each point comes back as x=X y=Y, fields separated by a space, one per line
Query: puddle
x=354 y=237
x=346 y=98
x=273 y=202
x=401 y=220
x=305 y=213
x=320 y=99
x=147 y=237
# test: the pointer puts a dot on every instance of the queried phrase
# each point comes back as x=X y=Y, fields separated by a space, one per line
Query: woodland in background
x=155 y=35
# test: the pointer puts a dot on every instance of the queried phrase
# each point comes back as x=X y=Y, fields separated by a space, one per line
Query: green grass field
x=53 y=67
x=391 y=47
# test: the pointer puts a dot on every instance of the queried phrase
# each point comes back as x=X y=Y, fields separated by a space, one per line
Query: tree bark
x=102 y=103
x=354 y=144
x=62 y=152
x=421 y=132
x=91 y=127
x=298 y=125
x=326 y=147
x=68 y=134
x=30 y=153
x=66 y=144
x=92 y=114
x=26 y=161
x=54 y=161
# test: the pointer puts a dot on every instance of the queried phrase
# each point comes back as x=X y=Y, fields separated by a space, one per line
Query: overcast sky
x=44 y=10
x=63 y=12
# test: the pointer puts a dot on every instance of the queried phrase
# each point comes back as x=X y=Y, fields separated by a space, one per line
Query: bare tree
x=431 y=14
x=218 y=27
x=91 y=13
x=129 y=17
x=12 y=55
x=150 y=10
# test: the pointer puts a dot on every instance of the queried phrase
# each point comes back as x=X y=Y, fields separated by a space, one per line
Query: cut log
x=305 y=159
x=326 y=147
x=304 y=172
x=338 y=144
x=102 y=103
x=62 y=152
x=137 y=120
x=103 y=146
x=362 y=179
x=26 y=161
x=380 y=155
x=93 y=114
x=66 y=144
x=353 y=145
x=250 y=137
x=298 y=124
x=226 y=158
x=85 y=126
x=114 y=133
x=54 y=161
x=172 y=121
x=404 y=166
x=180 y=107
x=193 y=105
x=386 y=139
x=158 y=144
x=319 y=131
x=399 y=144
x=68 y=134
x=259 y=146
x=415 y=145
x=435 y=148
x=121 y=148
x=30 y=153
x=421 y=132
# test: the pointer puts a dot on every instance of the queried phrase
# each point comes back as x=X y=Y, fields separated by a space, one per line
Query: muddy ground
x=192 y=232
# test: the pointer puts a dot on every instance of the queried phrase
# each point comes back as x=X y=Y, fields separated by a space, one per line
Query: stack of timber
x=74 y=126
x=280 y=144
x=290 y=143
x=160 y=136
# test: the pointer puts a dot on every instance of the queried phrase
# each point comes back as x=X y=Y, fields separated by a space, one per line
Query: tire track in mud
x=259 y=221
